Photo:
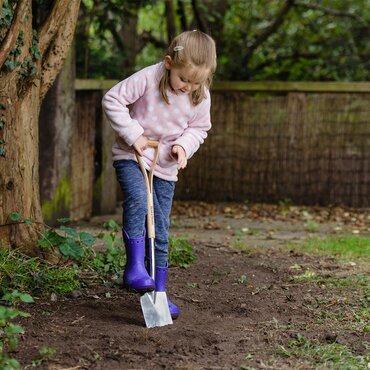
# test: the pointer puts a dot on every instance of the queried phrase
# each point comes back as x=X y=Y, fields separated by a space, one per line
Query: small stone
x=76 y=294
x=53 y=297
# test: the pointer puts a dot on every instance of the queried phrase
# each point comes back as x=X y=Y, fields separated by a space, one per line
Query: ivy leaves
x=69 y=242
x=6 y=13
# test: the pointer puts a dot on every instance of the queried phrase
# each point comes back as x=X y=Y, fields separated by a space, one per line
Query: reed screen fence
x=308 y=143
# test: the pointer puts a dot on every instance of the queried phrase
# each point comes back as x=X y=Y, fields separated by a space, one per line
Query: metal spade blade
x=155 y=309
x=154 y=304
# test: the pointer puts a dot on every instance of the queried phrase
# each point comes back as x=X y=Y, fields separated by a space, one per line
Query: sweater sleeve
x=115 y=103
x=196 y=132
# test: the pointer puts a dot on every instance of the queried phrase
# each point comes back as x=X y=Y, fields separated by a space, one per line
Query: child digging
x=170 y=104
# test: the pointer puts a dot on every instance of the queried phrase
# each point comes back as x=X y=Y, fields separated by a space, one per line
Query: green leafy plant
x=34 y=49
x=9 y=336
x=76 y=257
x=15 y=297
x=11 y=63
x=112 y=259
x=8 y=331
x=46 y=353
x=70 y=243
x=180 y=252
x=242 y=280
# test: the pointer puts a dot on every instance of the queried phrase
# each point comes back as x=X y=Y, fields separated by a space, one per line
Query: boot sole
x=141 y=291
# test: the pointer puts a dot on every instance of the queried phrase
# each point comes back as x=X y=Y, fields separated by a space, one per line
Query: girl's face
x=184 y=80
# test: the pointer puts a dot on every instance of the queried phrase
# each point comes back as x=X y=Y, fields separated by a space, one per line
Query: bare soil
x=237 y=307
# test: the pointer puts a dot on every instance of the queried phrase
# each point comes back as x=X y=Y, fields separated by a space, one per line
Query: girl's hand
x=179 y=152
x=140 y=144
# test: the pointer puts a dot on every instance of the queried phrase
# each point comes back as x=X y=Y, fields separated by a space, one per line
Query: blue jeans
x=135 y=206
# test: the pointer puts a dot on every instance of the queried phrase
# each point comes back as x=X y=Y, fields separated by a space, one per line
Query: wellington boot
x=136 y=277
x=160 y=286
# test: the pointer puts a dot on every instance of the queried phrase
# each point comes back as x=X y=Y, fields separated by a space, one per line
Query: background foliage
x=257 y=39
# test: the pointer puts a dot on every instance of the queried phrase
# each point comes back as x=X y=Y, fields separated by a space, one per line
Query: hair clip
x=178 y=48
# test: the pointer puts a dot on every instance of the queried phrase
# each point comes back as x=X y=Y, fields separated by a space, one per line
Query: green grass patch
x=347 y=318
x=34 y=275
x=358 y=281
x=239 y=242
x=347 y=247
x=325 y=356
x=354 y=315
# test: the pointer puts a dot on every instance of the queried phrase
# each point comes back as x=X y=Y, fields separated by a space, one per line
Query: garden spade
x=153 y=304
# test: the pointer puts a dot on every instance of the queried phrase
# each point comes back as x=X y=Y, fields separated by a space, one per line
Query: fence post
x=82 y=157
x=105 y=186
x=55 y=137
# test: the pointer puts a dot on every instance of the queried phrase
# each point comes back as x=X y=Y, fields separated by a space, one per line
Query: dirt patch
x=237 y=309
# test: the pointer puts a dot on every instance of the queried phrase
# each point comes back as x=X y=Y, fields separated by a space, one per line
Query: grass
x=356 y=315
x=358 y=281
x=346 y=318
x=40 y=277
x=240 y=244
x=26 y=274
x=347 y=247
x=324 y=356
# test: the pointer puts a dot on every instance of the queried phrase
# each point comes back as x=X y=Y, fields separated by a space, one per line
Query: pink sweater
x=179 y=123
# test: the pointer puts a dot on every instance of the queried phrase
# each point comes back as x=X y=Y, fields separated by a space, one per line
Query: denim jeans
x=135 y=207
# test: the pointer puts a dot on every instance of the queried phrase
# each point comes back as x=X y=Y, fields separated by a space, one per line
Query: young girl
x=171 y=104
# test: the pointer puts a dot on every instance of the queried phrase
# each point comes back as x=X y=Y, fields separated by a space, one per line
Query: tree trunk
x=19 y=175
x=128 y=41
x=23 y=84
x=170 y=18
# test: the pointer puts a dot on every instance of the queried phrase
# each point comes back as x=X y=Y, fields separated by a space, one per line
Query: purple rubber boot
x=160 y=286
x=136 y=277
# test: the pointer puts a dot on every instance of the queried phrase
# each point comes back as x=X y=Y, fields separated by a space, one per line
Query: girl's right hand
x=140 y=144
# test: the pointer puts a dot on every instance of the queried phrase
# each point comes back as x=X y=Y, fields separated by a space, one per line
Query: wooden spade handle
x=149 y=186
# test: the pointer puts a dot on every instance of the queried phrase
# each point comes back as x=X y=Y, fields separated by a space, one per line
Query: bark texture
x=22 y=89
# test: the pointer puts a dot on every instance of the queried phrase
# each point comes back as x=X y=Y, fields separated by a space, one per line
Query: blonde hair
x=191 y=48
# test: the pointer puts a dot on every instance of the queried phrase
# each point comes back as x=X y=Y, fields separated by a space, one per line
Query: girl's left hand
x=179 y=152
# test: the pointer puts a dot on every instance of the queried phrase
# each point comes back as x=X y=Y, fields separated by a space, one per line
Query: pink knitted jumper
x=180 y=122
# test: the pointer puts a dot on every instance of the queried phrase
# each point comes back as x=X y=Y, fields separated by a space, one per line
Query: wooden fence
x=311 y=147
x=270 y=141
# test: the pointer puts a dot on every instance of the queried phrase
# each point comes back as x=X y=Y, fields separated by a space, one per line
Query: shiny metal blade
x=155 y=309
